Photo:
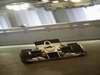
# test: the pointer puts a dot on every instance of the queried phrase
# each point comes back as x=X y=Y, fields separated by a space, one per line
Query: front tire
x=25 y=56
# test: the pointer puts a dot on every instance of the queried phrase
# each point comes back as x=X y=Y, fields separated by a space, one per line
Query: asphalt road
x=10 y=63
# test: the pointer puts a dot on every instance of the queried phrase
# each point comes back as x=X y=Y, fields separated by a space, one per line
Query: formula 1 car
x=50 y=50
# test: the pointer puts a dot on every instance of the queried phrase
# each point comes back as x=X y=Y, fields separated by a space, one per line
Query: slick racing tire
x=75 y=48
x=25 y=56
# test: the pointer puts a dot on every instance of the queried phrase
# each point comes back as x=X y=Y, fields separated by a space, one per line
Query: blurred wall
x=41 y=16
x=77 y=14
x=77 y=31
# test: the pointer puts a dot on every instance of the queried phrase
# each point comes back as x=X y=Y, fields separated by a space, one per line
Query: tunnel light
x=55 y=1
x=45 y=1
x=25 y=6
x=76 y=1
x=66 y=0
x=18 y=7
x=13 y=7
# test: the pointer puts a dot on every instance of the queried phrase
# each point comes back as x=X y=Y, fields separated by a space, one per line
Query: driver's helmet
x=47 y=43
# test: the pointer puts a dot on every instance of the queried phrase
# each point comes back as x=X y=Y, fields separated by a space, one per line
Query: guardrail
x=53 y=26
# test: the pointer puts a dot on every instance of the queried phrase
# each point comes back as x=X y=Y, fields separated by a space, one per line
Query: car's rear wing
x=51 y=40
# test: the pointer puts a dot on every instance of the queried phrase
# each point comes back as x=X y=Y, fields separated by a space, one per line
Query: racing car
x=51 y=49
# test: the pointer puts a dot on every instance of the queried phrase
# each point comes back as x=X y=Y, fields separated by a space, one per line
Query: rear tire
x=75 y=48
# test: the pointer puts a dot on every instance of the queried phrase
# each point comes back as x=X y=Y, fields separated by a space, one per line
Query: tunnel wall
x=64 y=32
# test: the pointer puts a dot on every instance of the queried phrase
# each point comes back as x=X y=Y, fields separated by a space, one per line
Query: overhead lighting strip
x=18 y=6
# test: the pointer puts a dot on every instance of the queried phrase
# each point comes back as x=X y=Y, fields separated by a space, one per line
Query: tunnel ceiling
x=5 y=2
x=14 y=1
x=9 y=1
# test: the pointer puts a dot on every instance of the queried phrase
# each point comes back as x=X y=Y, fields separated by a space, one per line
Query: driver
x=48 y=48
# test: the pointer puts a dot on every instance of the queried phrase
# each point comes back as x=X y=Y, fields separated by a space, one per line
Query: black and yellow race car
x=51 y=49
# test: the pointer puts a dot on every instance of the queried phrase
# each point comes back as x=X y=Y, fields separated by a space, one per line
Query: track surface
x=10 y=63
